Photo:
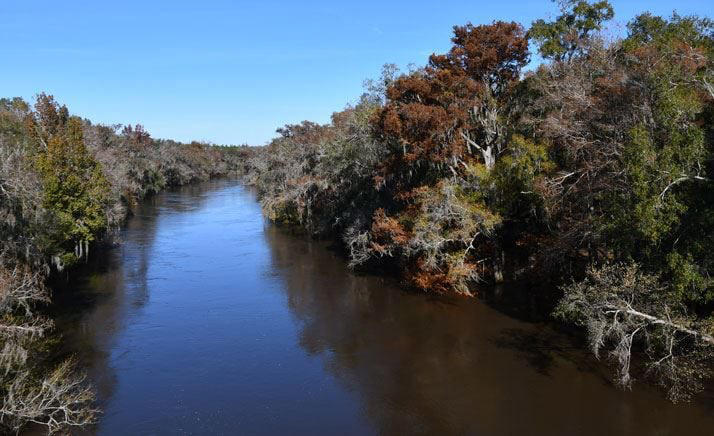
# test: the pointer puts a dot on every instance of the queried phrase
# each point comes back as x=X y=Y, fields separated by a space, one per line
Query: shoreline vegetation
x=588 y=178
x=66 y=187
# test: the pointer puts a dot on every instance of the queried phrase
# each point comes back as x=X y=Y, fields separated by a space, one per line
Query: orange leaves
x=420 y=123
x=494 y=53
x=426 y=109
x=410 y=88
x=387 y=233
x=391 y=123
x=454 y=278
x=137 y=136
x=429 y=281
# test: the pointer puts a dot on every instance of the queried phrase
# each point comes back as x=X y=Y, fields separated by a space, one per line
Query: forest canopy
x=588 y=177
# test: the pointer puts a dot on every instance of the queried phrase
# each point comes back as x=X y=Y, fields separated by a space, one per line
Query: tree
x=568 y=35
x=445 y=127
x=453 y=109
x=621 y=307
x=669 y=158
x=75 y=188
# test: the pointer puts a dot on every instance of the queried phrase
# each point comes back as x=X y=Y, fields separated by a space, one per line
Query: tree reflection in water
x=92 y=308
x=433 y=365
x=205 y=320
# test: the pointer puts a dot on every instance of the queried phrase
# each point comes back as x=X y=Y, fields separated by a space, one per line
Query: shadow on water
x=92 y=307
x=454 y=366
x=207 y=320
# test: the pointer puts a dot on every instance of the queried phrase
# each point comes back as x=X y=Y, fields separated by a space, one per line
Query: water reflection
x=453 y=366
x=207 y=320
x=96 y=305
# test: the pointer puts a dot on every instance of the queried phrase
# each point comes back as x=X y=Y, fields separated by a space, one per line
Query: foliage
x=630 y=133
x=75 y=189
x=65 y=183
x=568 y=35
x=619 y=305
x=595 y=169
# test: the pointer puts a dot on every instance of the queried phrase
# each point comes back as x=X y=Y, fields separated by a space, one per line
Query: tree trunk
x=488 y=157
x=499 y=261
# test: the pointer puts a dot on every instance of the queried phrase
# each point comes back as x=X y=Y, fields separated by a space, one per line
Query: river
x=209 y=320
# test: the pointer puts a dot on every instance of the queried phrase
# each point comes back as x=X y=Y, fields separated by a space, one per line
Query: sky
x=231 y=72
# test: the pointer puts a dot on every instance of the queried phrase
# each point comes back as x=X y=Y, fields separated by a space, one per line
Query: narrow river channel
x=209 y=320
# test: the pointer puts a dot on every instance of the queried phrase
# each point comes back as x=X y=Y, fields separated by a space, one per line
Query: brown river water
x=209 y=320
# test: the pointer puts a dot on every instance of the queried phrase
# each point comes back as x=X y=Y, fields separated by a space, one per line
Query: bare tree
x=622 y=307
x=58 y=401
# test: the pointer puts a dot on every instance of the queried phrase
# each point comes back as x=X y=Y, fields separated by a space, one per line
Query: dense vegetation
x=591 y=175
x=65 y=186
x=590 y=178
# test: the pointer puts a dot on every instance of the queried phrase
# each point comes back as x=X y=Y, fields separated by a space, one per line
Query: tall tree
x=75 y=188
x=568 y=35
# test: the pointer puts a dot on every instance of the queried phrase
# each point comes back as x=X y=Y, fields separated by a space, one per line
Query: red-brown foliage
x=426 y=109
x=494 y=53
x=424 y=121
x=387 y=233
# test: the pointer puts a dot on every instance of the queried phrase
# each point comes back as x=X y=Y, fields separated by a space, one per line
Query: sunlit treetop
x=565 y=37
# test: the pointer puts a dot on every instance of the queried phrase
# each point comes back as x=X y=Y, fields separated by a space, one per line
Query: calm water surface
x=208 y=320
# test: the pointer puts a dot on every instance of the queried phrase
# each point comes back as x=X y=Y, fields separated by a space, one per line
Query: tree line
x=589 y=177
x=67 y=185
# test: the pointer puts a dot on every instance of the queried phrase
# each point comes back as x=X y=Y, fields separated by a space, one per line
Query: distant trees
x=64 y=185
x=591 y=175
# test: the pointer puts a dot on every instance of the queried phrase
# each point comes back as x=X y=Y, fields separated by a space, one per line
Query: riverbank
x=590 y=175
x=209 y=319
x=66 y=187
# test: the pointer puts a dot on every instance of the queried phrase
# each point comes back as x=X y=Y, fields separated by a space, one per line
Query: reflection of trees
x=93 y=307
x=441 y=366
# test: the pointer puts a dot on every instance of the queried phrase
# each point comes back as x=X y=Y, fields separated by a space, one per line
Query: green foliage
x=75 y=187
x=567 y=35
x=647 y=29
x=668 y=159
x=597 y=166
x=650 y=214
x=516 y=176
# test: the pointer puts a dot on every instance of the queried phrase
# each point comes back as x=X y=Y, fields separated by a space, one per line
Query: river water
x=209 y=320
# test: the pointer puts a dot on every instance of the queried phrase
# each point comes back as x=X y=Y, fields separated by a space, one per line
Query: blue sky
x=232 y=72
